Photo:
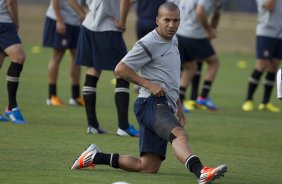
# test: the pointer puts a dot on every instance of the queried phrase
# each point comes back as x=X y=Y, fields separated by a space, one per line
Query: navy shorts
x=144 y=26
x=8 y=36
x=191 y=49
x=268 y=48
x=101 y=50
x=51 y=38
x=156 y=121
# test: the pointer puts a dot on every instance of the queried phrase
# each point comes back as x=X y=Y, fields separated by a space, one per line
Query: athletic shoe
x=207 y=102
x=130 y=131
x=15 y=115
x=193 y=105
x=190 y=104
x=55 y=101
x=248 y=106
x=185 y=110
x=268 y=107
x=2 y=118
x=76 y=102
x=92 y=130
x=86 y=158
x=210 y=174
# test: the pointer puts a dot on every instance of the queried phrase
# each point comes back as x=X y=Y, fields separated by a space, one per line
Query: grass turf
x=43 y=150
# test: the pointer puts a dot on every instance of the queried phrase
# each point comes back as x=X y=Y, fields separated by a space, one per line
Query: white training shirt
x=158 y=61
x=190 y=26
x=4 y=14
x=69 y=15
x=269 y=22
x=102 y=15
x=279 y=83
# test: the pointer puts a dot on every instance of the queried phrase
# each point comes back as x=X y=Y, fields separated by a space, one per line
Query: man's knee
x=150 y=163
x=150 y=169
x=20 y=58
x=16 y=53
x=191 y=65
x=178 y=133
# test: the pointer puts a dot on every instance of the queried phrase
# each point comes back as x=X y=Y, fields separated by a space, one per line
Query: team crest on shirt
x=266 y=53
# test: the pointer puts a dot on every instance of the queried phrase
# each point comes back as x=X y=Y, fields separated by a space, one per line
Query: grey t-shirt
x=69 y=15
x=269 y=22
x=4 y=14
x=102 y=15
x=158 y=61
x=190 y=26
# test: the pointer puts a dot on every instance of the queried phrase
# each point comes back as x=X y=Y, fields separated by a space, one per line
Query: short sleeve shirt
x=69 y=15
x=269 y=22
x=190 y=26
x=158 y=61
x=102 y=15
x=279 y=83
x=4 y=14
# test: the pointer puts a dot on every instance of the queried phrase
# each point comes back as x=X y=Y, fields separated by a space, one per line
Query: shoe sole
x=220 y=171
x=123 y=133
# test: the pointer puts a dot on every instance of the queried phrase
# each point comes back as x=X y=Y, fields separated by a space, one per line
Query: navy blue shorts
x=8 y=36
x=101 y=50
x=191 y=49
x=51 y=38
x=268 y=48
x=156 y=121
x=144 y=26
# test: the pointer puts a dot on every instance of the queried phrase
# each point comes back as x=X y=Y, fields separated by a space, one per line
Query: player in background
x=268 y=53
x=10 y=46
x=147 y=11
x=101 y=47
x=61 y=30
x=195 y=34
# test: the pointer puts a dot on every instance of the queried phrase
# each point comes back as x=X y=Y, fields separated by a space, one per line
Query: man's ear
x=157 y=20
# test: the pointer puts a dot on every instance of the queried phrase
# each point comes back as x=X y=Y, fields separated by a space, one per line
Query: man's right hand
x=61 y=27
x=212 y=34
x=156 y=89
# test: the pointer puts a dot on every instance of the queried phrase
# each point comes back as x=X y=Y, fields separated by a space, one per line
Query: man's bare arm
x=125 y=72
x=269 y=5
x=124 y=8
x=60 y=25
x=78 y=9
x=13 y=11
x=215 y=20
x=203 y=18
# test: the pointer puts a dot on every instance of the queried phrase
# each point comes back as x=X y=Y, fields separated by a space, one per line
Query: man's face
x=168 y=22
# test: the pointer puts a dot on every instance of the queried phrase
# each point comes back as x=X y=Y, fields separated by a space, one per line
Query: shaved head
x=168 y=6
x=168 y=20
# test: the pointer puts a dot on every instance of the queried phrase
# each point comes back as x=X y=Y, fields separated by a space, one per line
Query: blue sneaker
x=2 y=118
x=15 y=115
x=130 y=131
x=207 y=102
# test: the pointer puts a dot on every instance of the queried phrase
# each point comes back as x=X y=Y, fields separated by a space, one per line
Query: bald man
x=157 y=58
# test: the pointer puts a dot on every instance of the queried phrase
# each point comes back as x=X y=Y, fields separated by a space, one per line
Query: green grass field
x=43 y=150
